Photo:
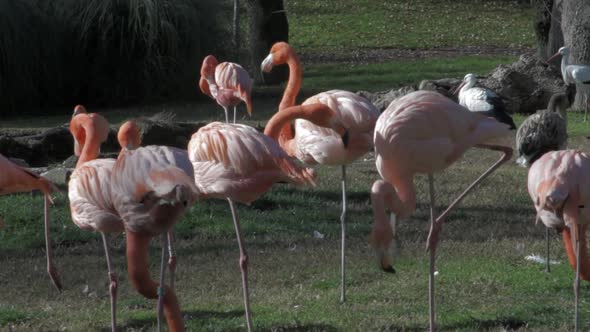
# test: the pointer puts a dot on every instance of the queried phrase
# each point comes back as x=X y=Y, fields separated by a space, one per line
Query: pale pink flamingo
x=89 y=189
x=316 y=145
x=423 y=132
x=238 y=163
x=15 y=179
x=227 y=82
x=150 y=193
x=559 y=185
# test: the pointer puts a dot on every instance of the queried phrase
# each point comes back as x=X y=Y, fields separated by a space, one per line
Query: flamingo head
x=79 y=109
x=563 y=51
x=129 y=136
x=323 y=116
x=279 y=54
x=552 y=196
x=89 y=130
x=382 y=236
x=208 y=67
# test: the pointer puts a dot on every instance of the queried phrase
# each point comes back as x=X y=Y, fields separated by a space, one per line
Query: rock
x=19 y=162
x=382 y=99
x=59 y=176
x=161 y=130
x=444 y=86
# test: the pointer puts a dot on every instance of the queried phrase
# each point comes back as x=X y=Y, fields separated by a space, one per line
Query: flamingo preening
x=485 y=101
x=15 y=179
x=238 y=163
x=150 y=192
x=89 y=189
x=574 y=74
x=227 y=82
x=313 y=144
x=423 y=132
x=559 y=186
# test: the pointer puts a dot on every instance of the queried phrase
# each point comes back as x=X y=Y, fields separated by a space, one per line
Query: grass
x=484 y=281
x=344 y=25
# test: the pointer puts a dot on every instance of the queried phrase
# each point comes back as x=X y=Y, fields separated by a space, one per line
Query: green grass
x=344 y=25
x=484 y=281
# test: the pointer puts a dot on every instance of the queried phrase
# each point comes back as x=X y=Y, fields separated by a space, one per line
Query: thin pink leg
x=114 y=283
x=171 y=258
x=577 y=280
x=226 y=116
x=243 y=263
x=432 y=316
x=162 y=286
x=343 y=241
x=436 y=228
x=53 y=274
x=235 y=113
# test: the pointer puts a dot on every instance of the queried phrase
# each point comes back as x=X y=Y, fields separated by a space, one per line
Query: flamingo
x=228 y=83
x=559 y=186
x=89 y=189
x=574 y=74
x=542 y=132
x=15 y=179
x=482 y=100
x=423 y=132
x=316 y=145
x=151 y=193
x=238 y=163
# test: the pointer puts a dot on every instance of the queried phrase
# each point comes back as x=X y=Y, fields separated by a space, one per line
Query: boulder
x=382 y=99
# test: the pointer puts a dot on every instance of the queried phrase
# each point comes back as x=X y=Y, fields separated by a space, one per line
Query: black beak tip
x=345 y=138
x=388 y=269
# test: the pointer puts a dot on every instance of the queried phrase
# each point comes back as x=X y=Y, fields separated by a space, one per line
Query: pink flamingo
x=228 y=83
x=15 y=179
x=315 y=145
x=238 y=163
x=423 y=132
x=89 y=189
x=559 y=185
x=150 y=193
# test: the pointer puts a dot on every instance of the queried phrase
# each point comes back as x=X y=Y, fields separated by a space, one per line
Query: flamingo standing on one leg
x=559 y=185
x=15 y=179
x=423 y=132
x=150 y=193
x=238 y=163
x=316 y=145
x=89 y=189
x=574 y=74
x=228 y=83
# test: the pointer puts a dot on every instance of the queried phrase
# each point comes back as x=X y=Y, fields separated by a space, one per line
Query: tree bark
x=268 y=25
x=576 y=32
x=236 y=29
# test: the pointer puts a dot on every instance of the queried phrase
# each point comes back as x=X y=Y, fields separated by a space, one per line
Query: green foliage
x=107 y=52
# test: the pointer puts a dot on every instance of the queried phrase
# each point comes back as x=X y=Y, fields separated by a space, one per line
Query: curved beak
x=458 y=88
x=266 y=65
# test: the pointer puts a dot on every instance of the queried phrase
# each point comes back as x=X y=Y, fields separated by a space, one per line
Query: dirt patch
x=374 y=55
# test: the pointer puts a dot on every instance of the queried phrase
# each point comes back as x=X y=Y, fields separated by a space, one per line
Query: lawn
x=484 y=280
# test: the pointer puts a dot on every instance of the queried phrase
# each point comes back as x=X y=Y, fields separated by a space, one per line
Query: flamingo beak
x=267 y=64
x=458 y=88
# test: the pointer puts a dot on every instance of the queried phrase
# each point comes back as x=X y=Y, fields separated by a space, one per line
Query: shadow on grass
x=200 y=316
x=504 y=323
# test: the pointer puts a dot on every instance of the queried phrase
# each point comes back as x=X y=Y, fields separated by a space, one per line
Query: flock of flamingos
x=146 y=190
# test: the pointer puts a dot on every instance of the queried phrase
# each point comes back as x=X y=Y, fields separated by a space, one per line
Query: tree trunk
x=268 y=25
x=547 y=27
x=576 y=33
x=236 y=29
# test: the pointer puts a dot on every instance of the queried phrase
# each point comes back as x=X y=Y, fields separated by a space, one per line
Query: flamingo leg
x=226 y=116
x=577 y=280
x=437 y=226
x=51 y=269
x=243 y=263
x=585 y=105
x=343 y=235
x=547 y=264
x=235 y=114
x=162 y=286
x=171 y=257
x=114 y=283
x=432 y=258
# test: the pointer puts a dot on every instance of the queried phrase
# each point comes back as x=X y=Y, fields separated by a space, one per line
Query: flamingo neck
x=564 y=64
x=400 y=200
x=294 y=83
x=137 y=268
x=90 y=148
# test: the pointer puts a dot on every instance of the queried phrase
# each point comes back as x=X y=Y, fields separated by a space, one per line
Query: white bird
x=482 y=100
x=574 y=74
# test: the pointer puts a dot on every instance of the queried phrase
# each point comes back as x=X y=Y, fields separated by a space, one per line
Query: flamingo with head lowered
x=227 y=82
x=151 y=192
x=423 y=132
x=313 y=144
